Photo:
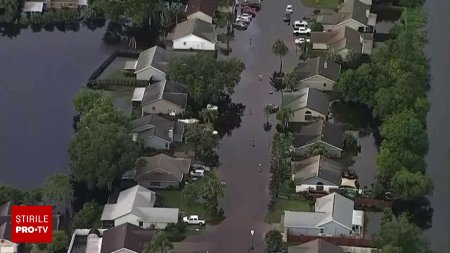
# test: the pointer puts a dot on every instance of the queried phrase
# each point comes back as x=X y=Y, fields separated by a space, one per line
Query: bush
x=316 y=27
x=176 y=231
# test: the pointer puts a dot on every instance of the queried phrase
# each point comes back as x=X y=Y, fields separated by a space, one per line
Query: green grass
x=119 y=74
x=297 y=204
x=172 y=198
x=321 y=4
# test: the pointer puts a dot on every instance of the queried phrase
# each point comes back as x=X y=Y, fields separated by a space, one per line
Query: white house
x=316 y=174
x=194 y=34
x=318 y=73
x=136 y=206
x=201 y=9
x=306 y=105
x=334 y=215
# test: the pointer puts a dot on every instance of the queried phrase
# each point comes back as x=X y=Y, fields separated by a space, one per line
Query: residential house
x=157 y=132
x=136 y=206
x=315 y=246
x=33 y=7
x=63 y=4
x=334 y=215
x=162 y=171
x=6 y=244
x=321 y=132
x=194 y=34
x=306 y=105
x=352 y=13
x=86 y=241
x=316 y=173
x=201 y=9
x=153 y=63
x=163 y=97
x=343 y=40
x=126 y=238
x=318 y=73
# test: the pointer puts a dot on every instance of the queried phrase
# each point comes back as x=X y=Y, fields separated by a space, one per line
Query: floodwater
x=39 y=75
x=438 y=33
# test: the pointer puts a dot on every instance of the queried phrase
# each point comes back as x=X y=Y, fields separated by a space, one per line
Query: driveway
x=247 y=194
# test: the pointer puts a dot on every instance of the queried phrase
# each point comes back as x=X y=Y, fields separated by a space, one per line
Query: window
x=322 y=231
x=153 y=108
x=319 y=186
x=324 y=85
x=308 y=115
x=184 y=43
x=141 y=224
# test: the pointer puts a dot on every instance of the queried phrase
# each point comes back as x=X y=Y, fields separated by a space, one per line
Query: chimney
x=325 y=64
x=171 y=133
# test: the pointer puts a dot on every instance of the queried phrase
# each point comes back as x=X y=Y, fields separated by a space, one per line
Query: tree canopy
x=58 y=190
x=209 y=188
x=159 y=244
x=206 y=78
x=280 y=49
x=203 y=138
x=274 y=241
x=88 y=216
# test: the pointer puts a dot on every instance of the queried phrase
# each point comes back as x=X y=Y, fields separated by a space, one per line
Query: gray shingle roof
x=154 y=125
x=317 y=167
x=319 y=66
x=168 y=90
x=346 y=37
x=320 y=130
x=206 y=6
x=350 y=9
x=163 y=168
x=196 y=27
x=330 y=208
x=157 y=57
x=125 y=236
x=315 y=246
x=307 y=98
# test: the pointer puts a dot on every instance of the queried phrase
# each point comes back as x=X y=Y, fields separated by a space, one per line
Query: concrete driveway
x=247 y=195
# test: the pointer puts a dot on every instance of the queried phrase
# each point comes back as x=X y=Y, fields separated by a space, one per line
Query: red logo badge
x=31 y=224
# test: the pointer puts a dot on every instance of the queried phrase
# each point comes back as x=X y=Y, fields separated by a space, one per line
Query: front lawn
x=172 y=198
x=321 y=4
x=295 y=204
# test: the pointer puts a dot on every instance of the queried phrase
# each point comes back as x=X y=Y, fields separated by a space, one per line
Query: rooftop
x=307 y=98
x=317 y=166
x=33 y=6
x=155 y=125
x=319 y=66
x=320 y=130
x=315 y=246
x=196 y=27
x=162 y=165
x=167 y=90
x=125 y=236
x=206 y=6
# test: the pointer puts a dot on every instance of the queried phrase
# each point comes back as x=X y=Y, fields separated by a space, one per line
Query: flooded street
x=40 y=73
x=438 y=35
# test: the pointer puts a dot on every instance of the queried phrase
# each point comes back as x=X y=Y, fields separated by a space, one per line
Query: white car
x=246 y=15
x=197 y=166
x=302 y=23
x=193 y=220
x=301 y=41
x=241 y=18
x=289 y=8
x=197 y=173
x=301 y=30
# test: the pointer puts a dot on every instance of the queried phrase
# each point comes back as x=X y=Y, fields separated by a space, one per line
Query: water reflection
x=419 y=209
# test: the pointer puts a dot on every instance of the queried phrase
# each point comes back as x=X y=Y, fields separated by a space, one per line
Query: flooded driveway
x=247 y=194
x=438 y=31
x=39 y=75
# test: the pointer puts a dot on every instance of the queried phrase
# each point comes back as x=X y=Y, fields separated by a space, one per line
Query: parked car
x=198 y=166
x=301 y=31
x=287 y=17
x=240 y=25
x=240 y=18
x=289 y=8
x=249 y=10
x=302 y=40
x=197 y=173
x=302 y=23
x=254 y=5
x=193 y=220
x=248 y=15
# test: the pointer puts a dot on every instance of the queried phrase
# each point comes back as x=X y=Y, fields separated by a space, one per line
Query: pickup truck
x=193 y=220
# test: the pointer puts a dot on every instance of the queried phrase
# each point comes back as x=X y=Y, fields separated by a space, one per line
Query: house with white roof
x=136 y=206
x=334 y=215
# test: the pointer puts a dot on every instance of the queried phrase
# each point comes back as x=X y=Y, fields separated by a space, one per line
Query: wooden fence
x=341 y=241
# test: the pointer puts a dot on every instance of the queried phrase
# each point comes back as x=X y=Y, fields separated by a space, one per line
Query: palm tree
x=290 y=80
x=353 y=58
x=280 y=49
x=166 y=22
x=209 y=116
x=159 y=243
x=284 y=115
x=332 y=55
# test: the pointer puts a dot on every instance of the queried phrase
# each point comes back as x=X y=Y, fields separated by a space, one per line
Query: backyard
x=322 y=4
x=296 y=203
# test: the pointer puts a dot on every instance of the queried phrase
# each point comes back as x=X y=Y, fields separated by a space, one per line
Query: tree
x=176 y=231
x=10 y=10
x=8 y=193
x=103 y=112
x=86 y=99
x=400 y=236
x=283 y=115
x=209 y=116
x=58 y=191
x=201 y=135
x=59 y=243
x=411 y=3
x=274 y=241
x=212 y=189
x=102 y=153
x=280 y=49
x=406 y=131
x=159 y=243
x=88 y=216
x=408 y=185
x=290 y=80
x=333 y=55
x=353 y=58
x=166 y=22
x=206 y=78
x=316 y=27
x=317 y=149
